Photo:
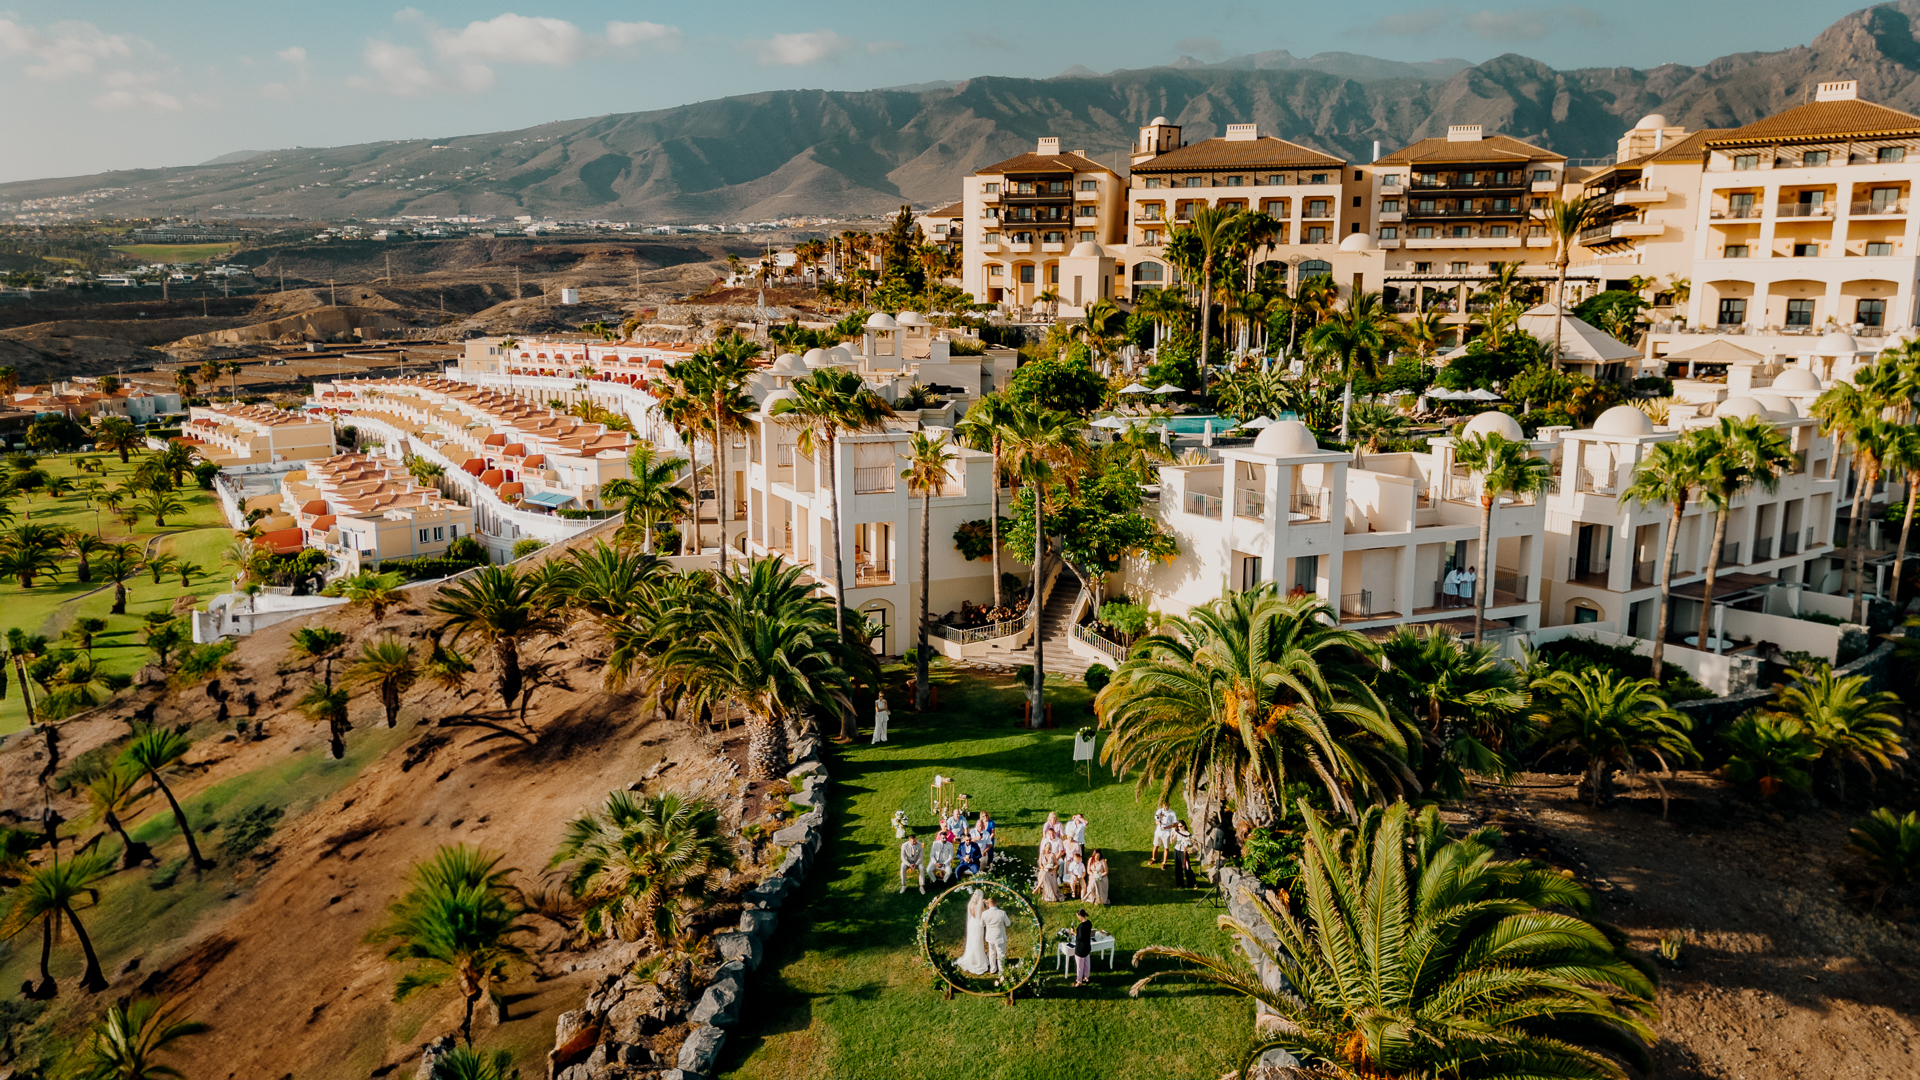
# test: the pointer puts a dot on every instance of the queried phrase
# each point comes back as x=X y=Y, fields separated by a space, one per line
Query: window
x=1885 y=200
x=1389 y=232
x=1423 y=268
x=1426 y=206
x=1146 y=271
x=1814 y=157
x=1356 y=200
x=1806 y=251
x=423 y=536
x=453 y=532
x=1083 y=211
x=1358 y=175
x=1152 y=182
x=1740 y=204
x=1462 y=232
x=1024 y=187
x=1235 y=181
x=1053 y=274
x=1150 y=236
x=1871 y=313
x=1745 y=162
x=1879 y=250
x=1086 y=238
x=1891 y=154
x=1389 y=206
x=1423 y=232
x=1056 y=187
x=1466 y=206
x=1089 y=185
x=1317 y=234
x=1733 y=312
x=996 y=270
x=1315 y=267
x=1319 y=208
x=439 y=532
x=1585 y=615
x=1054 y=237
x=1023 y=238
x=1318 y=178
x=1390 y=180
x=1026 y=275
x=1195 y=181
x=1497 y=230
x=1275 y=179
x=1457 y=268
x=1735 y=251
x=990 y=189
x=1800 y=312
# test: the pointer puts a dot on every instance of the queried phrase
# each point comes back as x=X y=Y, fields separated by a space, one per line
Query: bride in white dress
x=974 y=960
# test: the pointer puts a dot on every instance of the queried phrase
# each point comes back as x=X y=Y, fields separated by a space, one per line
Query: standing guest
x=985 y=838
x=1082 y=949
x=1467 y=584
x=1096 y=890
x=1182 y=857
x=1076 y=874
x=1049 y=878
x=1450 y=588
x=880 y=717
x=1163 y=822
x=968 y=854
x=1076 y=830
x=910 y=864
x=940 y=858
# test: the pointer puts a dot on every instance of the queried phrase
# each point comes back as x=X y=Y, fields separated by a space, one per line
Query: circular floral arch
x=1018 y=970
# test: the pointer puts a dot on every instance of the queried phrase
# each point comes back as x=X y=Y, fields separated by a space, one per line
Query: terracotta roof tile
x=1493 y=148
x=953 y=210
x=1265 y=152
x=1823 y=120
x=1045 y=163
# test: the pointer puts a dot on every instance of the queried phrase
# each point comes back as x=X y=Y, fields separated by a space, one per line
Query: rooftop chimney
x=1049 y=146
x=1242 y=132
x=1844 y=90
x=1464 y=133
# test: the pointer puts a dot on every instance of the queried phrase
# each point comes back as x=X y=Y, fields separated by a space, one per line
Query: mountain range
x=855 y=153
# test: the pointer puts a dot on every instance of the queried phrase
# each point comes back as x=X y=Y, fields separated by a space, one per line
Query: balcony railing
x=975 y=634
x=1512 y=211
x=1587 y=573
x=1898 y=206
x=1803 y=210
x=1790 y=543
x=1308 y=506
x=1360 y=603
x=1730 y=554
x=1456 y=182
x=1515 y=583
x=1645 y=574
x=1763 y=549
x=1250 y=504
x=1207 y=506
x=874 y=480
x=1735 y=212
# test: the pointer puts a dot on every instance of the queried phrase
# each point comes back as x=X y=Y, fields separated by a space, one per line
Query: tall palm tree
x=500 y=607
x=29 y=550
x=984 y=428
x=1473 y=703
x=126 y=1043
x=458 y=920
x=926 y=472
x=1608 y=722
x=82 y=546
x=651 y=495
x=112 y=794
x=121 y=562
x=642 y=862
x=717 y=375
x=1166 y=308
x=1355 y=336
x=1849 y=724
x=160 y=504
x=375 y=592
x=1215 y=230
x=1564 y=220
x=1505 y=467
x=761 y=639
x=155 y=751
x=185 y=383
x=117 y=433
x=1138 y=450
x=1903 y=457
x=1740 y=453
x=1044 y=447
x=388 y=666
x=1248 y=692
x=829 y=403
x=23 y=648
x=51 y=895
x=1848 y=413
x=1668 y=473
x=1418 y=956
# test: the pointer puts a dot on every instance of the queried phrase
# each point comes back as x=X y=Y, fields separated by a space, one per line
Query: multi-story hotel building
x=1039 y=223
x=364 y=508
x=255 y=434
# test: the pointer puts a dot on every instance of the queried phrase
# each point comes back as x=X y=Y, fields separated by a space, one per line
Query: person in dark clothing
x=1082 y=950
x=1182 y=857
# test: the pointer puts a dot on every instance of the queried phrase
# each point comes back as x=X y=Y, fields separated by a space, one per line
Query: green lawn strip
x=176 y=253
x=842 y=993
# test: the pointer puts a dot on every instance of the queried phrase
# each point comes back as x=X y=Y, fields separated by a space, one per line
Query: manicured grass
x=176 y=253
x=843 y=994
x=199 y=535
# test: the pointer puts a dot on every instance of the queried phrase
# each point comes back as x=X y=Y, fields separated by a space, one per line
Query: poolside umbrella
x=1167 y=388
x=1481 y=395
x=1134 y=388
x=1206 y=434
x=1258 y=423
x=1111 y=423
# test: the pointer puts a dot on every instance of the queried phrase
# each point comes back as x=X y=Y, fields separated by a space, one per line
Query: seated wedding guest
x=1050 y=846
x=910 y=852
x=968 y=855
x=1096 y=890
x=1163 y=822
x=1052 y=826
x=1075 y=875
x=1049 y=878
x=984 y=835
x=940 y=856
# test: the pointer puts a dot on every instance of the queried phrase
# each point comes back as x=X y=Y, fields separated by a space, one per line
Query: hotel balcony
x=1803 y=210
x=1869 y=209
x=990 y=246
x=1735 y=213
x=1054 y=247
x=1020 y=249
x=1390 y=215
x=1544 y=187
x=990 y=197
x=1086 y=196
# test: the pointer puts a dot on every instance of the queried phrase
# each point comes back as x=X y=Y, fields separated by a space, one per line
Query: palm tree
x=1214 y=231
x=161 y=565
x=1166 y=308
x=457 y=920
x=317 y=641
x=77 y=685
x=185 y=383
x=1043 y=447
x=120 y=562
x=715 y=376
x=448 y=668
x=983 y=428
x=388 y=666
x=1505 y=467
x=926 y=471
x=155 y=751
x=761 y=639
x=375 y=592
x=499 y=607
x=1739 y=454
x=466 y=1063
x=29 y=550
x=1471 y=700
x=1564 y=220
x=1847 y=411
x=23 y=647
x=1668 y=473
x=160 y=504
x=125 y=1043
x=1609 y=722
x=325 y=703
x=118 y=434
x=1903 y=457
x=48 y=895
x=1248 y=692
x=641 y=861
x=1849 y=724
x=1417 y=956
x=112 y=794
x=1355 y=335
x=685 y=411
x=82 y=545
x=829 y=403
x=651 y=495
x=1138 y=450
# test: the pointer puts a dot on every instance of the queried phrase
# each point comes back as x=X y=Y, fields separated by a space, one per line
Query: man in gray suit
x=994 y=921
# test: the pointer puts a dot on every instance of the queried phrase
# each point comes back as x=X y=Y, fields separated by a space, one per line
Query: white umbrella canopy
x=1111 y=423
x=1167 y=388
x=1258 y=423
x=1441 y=393
x=1481 y=395
x=1134 y=388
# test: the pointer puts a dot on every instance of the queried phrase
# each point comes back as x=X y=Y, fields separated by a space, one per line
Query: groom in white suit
x=995 y=922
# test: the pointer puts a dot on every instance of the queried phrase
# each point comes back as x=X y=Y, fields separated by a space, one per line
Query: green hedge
x=421 y=569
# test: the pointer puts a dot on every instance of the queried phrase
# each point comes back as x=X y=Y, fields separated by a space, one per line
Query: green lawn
x=842 y=993
x=52 y=605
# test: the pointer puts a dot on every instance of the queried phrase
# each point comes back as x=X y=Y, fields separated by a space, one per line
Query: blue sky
x=89 y=86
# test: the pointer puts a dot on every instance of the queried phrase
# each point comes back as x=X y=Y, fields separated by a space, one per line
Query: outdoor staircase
x=1055 y=630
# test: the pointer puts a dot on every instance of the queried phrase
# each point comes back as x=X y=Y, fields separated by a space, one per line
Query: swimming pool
x=1197 y=425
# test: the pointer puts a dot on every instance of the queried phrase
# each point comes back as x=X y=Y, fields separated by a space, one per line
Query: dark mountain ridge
x=818 y=152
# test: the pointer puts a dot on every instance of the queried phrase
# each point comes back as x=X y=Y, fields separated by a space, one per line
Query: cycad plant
x=642 y=863
x=366 y=589
x=1606 y=721
x=126 y=1044
x=1472 y=705
x=52 y=896
x=1847 y=723
x=459 y=920
x=155 y=752
x=500 y=607
x=1770 y=754
x=1416 y=956
x=387 y=666
x=1889 y=844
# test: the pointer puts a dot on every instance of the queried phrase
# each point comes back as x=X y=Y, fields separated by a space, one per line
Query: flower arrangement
x=900 y=824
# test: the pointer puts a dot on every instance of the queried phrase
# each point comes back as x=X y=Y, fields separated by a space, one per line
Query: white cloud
x=513 y=39
x=463 y=60
x=627 y=34
x=294 y=62
x=145 y=97
x=395 y=69
x=64 y=48
x=810 y=47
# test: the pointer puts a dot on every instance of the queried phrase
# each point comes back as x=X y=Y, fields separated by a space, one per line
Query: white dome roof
x=880 y=320
x=789 y=364
x=1780 y=407
x=1836 y=343
x=912 y=318
x=1360 y=241
x=1741 y=408
x=1497 y=423
x=1287 y=438
x=1157 y=121
x=778 y=395
x=1623 y=420
x=815 y=357
x=1086 y=249
x=840 y=354
x=1797 y=380
x=1651 y=122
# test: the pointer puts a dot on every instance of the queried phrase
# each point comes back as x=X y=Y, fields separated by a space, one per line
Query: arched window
x=1315 y=267
x=1146 y=271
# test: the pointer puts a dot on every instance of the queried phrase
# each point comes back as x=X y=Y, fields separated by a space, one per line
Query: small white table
x=1294 y=517
x=1712 y=642
x=1101 y=943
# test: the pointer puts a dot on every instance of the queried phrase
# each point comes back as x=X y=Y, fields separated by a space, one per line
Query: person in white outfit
x=1450 y=590
x=994 y=921
x=880 y=718
x=1468 y=582
x=1163 y=822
